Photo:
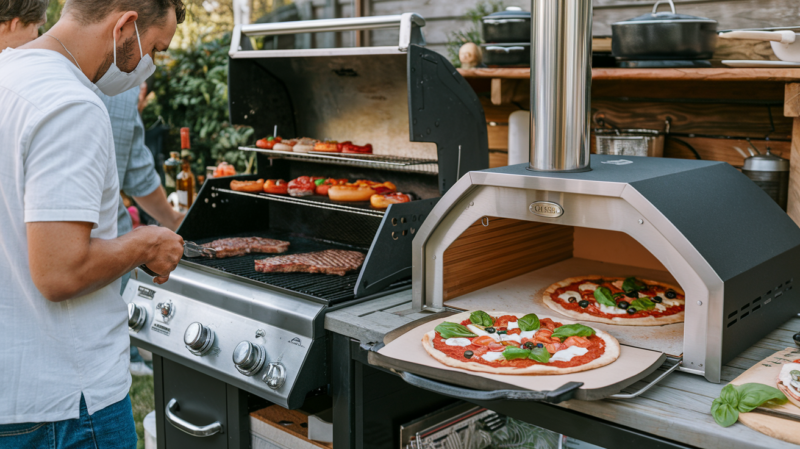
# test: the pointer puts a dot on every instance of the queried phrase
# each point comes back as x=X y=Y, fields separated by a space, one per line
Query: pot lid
x=766 y=162
x=665 y=17
x=512 y=12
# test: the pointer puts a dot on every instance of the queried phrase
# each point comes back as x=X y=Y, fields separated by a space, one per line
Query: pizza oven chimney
x=561 y=77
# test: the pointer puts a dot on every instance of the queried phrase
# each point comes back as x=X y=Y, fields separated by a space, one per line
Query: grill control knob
x=137 y=315
x=166 y=310
x=275 y=376
x=249 y=358
x=198 y=338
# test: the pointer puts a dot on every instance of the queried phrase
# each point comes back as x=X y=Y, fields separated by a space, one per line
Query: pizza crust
x=647 y=321
x=610 y=355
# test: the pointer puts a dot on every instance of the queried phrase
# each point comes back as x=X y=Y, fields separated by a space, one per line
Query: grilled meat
x=239 y=246
x=331 y=261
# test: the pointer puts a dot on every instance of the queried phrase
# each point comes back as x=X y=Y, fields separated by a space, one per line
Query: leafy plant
x=742 y=399
x=191 y=89
x=458 y=38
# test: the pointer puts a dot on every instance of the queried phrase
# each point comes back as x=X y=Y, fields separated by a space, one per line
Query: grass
x=143 y=402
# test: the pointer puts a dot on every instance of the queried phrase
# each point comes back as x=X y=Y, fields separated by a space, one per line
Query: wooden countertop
x=677 y=409
x=693 y=74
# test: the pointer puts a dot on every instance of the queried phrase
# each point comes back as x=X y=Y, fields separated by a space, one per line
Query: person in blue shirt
x=137 y=178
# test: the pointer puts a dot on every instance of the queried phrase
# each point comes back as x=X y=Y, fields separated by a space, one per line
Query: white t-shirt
x=57 y=163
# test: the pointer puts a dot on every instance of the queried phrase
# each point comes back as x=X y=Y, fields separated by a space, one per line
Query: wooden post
x=792 y=109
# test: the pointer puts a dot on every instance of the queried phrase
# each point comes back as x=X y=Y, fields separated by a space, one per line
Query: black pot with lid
x=510 y=26
x=771 y=173
x=664 y=36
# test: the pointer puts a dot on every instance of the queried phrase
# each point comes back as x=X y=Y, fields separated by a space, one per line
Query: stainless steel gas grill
x=219 y=328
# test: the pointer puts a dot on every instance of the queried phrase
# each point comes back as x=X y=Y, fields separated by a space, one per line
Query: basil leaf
x=319 y=182
x=513 y=353
x=539 y=355
x=618 y=295
x=754 y=395
x=730 y=395
x=573 y=330
x=529 y=322
x=603 y=296
x=633 y=285
x=643 y=303
x=481 y=318
x=724 y=413
x=452 y=330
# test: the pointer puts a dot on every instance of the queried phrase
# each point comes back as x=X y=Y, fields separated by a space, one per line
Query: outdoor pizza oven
x=499 y=237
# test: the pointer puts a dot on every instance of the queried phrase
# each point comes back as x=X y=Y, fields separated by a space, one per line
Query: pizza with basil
x=789 y=381
x=614 y=300
x=519 y=344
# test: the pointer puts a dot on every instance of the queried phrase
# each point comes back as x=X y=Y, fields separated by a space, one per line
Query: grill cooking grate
x=331 y=289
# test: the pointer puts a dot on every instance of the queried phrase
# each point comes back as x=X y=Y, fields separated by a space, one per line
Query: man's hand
x=164 y=253
x=157 y=206
x=66 y=262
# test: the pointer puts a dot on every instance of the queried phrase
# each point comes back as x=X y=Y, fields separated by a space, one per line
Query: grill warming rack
x=361 y=208
x=377 y=161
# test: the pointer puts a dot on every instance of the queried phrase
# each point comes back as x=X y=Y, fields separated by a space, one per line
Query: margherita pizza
x=615 y=300
x=521 y=344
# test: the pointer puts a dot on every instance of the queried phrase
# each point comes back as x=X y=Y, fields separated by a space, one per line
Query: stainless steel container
x=630 y=142
x=771 y=173
x=561 y=76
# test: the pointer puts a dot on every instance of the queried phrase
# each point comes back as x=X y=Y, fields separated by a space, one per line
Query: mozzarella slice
x=566 y=295
x=588 y=286
x=786 y=377
x=492 y=356
x=457 y=342
x=565 y=355
x=671 y=302
x=527 y=334
x=610 y=310
x=513 y=325
x=661 y=307
x=512 y=337
x=480 y=332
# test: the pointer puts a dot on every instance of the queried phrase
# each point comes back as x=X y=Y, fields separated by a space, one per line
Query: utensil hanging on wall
x=785 y=43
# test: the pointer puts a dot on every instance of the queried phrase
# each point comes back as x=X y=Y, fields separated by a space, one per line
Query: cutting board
x=766 y=372
x=405 y=353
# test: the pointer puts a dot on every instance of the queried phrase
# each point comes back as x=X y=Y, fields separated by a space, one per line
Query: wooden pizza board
x=524 y=293
x=766 y=372
x=403 y=351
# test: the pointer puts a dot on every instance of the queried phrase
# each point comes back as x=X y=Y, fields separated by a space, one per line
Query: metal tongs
x=190 y=249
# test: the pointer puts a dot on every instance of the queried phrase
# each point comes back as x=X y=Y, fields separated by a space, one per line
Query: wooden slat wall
x=507 y=248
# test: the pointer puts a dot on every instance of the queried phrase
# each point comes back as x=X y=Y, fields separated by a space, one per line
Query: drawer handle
x=185 y=426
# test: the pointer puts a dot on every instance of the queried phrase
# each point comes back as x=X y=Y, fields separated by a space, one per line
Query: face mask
x=115 y=81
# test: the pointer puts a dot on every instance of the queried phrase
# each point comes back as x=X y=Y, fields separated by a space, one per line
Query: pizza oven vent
x=680 y=221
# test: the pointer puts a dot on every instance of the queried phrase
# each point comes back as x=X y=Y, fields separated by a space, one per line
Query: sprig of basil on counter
x=633 y=285
x=603 y=296
x=529 y=322
x=453 y=330
x=573 y=330
x=538 y=354
x=481 y=318
x=742 y=399
x=643 y=303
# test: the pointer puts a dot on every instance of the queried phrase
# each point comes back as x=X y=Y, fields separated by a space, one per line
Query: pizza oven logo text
x=547 y=209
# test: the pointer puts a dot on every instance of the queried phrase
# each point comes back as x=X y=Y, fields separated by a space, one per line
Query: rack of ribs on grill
x=331 y=261
x=239 y=246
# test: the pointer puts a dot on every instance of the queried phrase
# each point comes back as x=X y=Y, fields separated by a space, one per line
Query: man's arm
x=65 y=262
x=157 y=206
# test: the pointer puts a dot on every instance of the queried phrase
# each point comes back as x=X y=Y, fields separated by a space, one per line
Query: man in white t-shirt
x=64 y=356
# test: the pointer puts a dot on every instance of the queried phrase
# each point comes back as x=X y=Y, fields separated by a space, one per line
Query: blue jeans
x=109 y=428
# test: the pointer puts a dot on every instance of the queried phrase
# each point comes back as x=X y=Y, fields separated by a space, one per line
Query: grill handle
x=186 y=426
x=561 y=394
x=409 y=24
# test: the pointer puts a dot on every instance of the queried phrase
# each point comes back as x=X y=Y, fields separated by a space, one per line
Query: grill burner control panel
x=255 y=356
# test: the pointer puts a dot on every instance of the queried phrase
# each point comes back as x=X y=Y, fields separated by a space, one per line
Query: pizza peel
x=403 y=352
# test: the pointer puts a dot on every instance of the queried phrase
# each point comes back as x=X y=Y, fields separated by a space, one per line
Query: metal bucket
x=630 y=142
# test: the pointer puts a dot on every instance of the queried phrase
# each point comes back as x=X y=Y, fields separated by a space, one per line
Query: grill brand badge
x=547 y=209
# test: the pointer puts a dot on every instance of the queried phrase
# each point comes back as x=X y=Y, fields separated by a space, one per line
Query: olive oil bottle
x=172 y=167
x=185 y=181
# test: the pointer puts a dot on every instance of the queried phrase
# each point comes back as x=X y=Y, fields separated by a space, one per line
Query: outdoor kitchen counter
x=677 y=409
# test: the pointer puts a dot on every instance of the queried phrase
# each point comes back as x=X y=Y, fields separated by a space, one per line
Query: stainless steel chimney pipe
x=561 y=77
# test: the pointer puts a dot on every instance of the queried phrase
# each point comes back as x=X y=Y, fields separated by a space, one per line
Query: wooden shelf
x=687 y=74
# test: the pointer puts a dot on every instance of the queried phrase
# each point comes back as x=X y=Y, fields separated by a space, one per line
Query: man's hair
x=27 y=11
x=150 y=11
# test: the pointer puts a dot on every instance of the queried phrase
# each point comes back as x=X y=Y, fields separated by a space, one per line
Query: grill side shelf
x=312 y=201
x=384 y=162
